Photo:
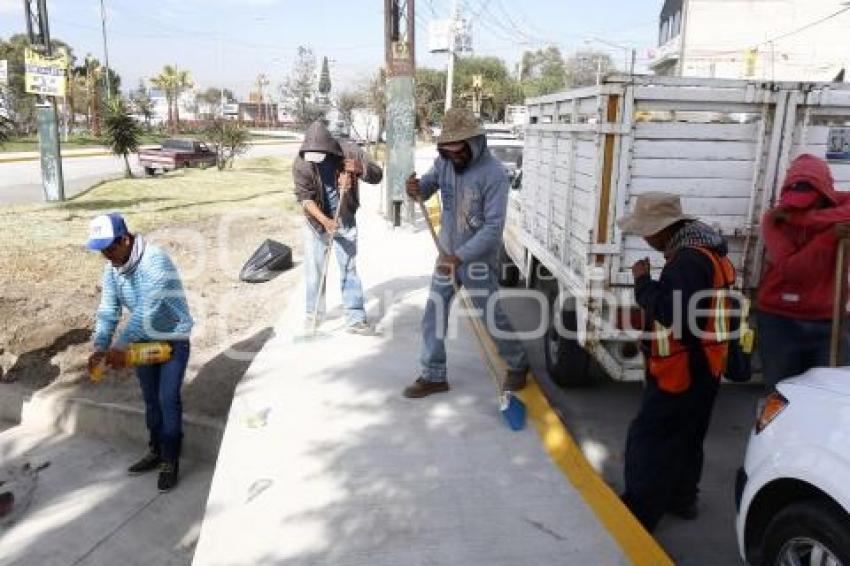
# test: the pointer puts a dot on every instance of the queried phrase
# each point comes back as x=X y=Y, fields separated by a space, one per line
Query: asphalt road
x=20 y=182
x=598 y=418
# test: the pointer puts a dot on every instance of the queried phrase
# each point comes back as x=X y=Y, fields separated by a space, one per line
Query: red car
x=177 y=154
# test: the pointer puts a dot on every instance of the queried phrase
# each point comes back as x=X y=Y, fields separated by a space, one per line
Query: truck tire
x=804 y=528
x=567 y=362
x=150 y=172
x=508 y=271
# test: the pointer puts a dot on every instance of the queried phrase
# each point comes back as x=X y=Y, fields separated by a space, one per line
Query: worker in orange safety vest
x=686 y=315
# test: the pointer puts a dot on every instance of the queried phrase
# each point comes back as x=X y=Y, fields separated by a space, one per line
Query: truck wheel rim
x=805 y=550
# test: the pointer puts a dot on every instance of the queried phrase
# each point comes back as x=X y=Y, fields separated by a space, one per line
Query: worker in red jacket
x=796 y=294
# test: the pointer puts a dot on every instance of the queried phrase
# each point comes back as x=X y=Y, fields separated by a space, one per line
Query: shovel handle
x=839 y=305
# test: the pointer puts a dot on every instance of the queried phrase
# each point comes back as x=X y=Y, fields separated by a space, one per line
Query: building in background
x=782 y=40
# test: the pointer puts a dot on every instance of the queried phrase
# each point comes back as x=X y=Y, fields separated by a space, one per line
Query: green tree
x=585 y=66
x=91 y=95
x=325 y=78
x=376 y=98
x=229 y=139
x=142 y=102
x=300 y=86
x=21 y=105
x=123 y=133
x=543 y=72
x=430 y=97
x=172 y=81
x=214 y=95
x=499 y=87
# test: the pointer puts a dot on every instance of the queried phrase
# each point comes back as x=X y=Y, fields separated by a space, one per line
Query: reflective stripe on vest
x=717 y=328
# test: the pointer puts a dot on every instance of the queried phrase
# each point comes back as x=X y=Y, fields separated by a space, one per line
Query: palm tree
x=87 y=81
x=122 y=132
x=172 y=82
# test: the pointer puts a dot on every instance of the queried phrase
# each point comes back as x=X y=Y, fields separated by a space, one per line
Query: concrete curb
x=202 y=436
x=637 y=544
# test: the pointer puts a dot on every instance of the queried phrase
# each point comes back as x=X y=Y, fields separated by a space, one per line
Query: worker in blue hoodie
x=141 y=278
x=474 y=189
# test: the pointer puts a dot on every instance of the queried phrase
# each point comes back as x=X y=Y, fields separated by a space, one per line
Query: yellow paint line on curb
x=637 y=544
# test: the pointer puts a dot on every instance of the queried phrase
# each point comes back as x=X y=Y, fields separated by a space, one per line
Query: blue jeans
x=788 y=346
x=345 y=249
x=481 y=287
x=161 y=385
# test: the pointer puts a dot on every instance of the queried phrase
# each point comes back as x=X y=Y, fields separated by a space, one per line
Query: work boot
x=423 y=387
x=361 y=328
x=151 y=461
x=168 y=476
x=515 y=380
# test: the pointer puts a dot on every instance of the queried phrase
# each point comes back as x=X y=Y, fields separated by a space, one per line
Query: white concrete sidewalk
x=342 y=470
x=86 y=511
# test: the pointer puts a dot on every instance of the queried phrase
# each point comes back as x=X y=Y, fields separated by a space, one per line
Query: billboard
x=45 y=74
x=440 y=34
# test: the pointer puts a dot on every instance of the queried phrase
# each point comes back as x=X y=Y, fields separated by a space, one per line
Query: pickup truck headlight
x=768 y=409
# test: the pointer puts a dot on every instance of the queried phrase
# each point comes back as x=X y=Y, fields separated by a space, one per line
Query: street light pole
x=627 y=51
x=450 y=72
x=105 y=52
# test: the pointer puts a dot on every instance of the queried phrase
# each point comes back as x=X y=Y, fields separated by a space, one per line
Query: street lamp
x=627 y=50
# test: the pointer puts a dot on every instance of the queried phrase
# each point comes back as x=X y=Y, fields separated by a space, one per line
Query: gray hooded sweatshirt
x=474 y=203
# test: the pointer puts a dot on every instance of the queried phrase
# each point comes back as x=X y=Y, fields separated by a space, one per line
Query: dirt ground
x=209 y=222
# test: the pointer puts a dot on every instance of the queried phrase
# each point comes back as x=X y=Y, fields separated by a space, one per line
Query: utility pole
x=399 y=43
x=450 y=74
x=106 y=79
x=52 y=179
x=477 y=87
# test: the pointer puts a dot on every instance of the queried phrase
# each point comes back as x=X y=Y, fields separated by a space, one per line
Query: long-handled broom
x=839 y=306
x=327 y=259
x=512 y=408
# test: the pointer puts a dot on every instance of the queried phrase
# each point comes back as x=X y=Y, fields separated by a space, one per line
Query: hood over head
x=808 y=170
x=317 y=138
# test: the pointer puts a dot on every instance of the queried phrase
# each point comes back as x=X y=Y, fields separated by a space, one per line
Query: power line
x=781 y=36
x=805 y=27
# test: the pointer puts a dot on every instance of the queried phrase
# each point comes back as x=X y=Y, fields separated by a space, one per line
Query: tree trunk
x=168 y=102
x=128 y=172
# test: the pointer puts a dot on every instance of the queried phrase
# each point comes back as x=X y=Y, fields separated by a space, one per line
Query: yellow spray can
x=137 y=354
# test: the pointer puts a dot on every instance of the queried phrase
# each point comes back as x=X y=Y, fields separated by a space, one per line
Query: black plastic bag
x=270 y=260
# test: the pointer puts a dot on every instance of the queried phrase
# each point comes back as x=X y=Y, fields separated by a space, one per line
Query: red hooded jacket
x=799 y=275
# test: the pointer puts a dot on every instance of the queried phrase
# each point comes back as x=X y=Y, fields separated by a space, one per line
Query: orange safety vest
x=669 y=358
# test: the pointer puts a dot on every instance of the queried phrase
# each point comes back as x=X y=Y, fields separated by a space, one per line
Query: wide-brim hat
x=652 y=213
x=460 y=124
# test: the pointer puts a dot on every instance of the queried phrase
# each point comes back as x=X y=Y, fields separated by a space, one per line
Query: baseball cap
x=799 y=195
x=105 y=229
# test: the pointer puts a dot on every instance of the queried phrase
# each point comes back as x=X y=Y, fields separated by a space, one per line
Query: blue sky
x=229 y=42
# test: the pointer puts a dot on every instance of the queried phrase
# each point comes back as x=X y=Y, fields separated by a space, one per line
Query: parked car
x=177 y=154
x=793 y=492
x=509 y=152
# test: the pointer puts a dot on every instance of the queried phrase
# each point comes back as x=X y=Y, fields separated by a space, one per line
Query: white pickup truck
x=722 y=145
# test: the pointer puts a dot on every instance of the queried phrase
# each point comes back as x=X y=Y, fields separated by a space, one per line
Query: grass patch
x=74 y=142
x=38 y=239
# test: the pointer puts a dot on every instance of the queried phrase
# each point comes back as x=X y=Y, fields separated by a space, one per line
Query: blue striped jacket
x=153 y=293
